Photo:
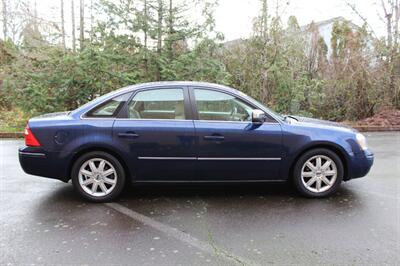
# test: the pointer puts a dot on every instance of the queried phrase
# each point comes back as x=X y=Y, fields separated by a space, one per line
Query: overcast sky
x=234 y=18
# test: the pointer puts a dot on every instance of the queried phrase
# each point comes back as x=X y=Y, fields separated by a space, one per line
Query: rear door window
x=157 y=104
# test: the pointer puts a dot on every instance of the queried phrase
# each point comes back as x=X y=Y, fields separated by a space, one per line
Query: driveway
x=44 y=222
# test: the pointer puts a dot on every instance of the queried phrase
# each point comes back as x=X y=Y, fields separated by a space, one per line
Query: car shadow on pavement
x=247 y=198
x=270 y=190
x=66 y=193
x=206 y=190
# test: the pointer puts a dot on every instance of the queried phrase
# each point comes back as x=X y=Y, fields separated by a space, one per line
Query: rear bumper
x=35 y=161
x=360 y=164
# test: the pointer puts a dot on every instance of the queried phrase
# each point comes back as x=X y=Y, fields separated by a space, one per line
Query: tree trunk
x=264 y=19
x=62 y=24
x=264 y=35
x=159 y=38
x=81 y=24
x=5 y=19
x=396 y=22
x=170 y=31
x=145 y=32
x=392 y=18
x=35 y=20
x=73 y=26
x=91 y=19
x=395 y=53
x=389 y=30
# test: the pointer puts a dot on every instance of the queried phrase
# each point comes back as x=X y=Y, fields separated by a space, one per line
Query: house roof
x=330 y=21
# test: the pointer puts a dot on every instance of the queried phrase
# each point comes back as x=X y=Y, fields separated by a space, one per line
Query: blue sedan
x=168 y=132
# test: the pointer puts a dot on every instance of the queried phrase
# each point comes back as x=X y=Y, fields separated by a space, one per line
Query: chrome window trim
x=96 y=118
x=225 y=121
x=170 y=120
x=207 y=121
x=151 y=119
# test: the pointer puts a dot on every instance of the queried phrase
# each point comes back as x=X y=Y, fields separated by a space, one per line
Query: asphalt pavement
x=44 y=222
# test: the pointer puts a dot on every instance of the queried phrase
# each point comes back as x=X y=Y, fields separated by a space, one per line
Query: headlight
x=362 y=141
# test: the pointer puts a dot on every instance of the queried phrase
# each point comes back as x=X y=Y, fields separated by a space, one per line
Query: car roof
x=176 y=83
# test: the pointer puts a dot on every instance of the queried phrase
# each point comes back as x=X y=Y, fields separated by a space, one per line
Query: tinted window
x=109 y=108
x=214 y=105
x=157 y=104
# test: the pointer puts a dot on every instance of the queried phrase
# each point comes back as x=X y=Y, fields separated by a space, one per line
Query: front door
x=230 y=146
x=156 y=137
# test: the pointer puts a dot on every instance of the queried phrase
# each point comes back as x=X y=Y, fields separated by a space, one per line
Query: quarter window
x=109 y=108
x=214 y=105
x=157 y=104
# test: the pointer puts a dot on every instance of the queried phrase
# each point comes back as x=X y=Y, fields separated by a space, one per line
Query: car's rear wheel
x=318 y=173
x=98 y=176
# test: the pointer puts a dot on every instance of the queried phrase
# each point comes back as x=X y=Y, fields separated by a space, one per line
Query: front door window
x=219 y=106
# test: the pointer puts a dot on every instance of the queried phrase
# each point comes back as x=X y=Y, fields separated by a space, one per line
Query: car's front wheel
x=318 y=173
x=98 y=176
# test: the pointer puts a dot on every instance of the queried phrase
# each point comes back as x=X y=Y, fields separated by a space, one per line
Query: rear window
x=109 y=108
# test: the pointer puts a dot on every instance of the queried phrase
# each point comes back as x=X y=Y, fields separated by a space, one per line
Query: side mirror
x=257 y=116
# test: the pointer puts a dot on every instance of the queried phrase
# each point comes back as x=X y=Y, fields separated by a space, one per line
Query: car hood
x=320 y=123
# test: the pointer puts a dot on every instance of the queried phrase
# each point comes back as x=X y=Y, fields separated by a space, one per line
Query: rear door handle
x=128 y=135
x=214 y=137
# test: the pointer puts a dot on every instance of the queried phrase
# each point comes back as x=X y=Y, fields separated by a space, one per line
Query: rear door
x=230 y=146
x=157 y=134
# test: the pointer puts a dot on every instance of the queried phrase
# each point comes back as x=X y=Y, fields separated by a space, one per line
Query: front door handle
x=128 y=135
x=214 y=137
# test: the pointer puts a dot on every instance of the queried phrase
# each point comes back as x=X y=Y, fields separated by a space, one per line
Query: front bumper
x=360 y=164
x=36 y=161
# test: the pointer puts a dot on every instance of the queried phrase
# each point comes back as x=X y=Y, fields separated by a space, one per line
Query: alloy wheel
x=97 y=177
x=319 y=173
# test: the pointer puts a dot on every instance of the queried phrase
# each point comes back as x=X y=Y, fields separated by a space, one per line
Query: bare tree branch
x=354 y=9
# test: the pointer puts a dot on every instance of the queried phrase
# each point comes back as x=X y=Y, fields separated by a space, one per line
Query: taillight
x=30 y=139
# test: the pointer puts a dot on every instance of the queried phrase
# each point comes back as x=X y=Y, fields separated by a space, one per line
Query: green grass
x=13 y=120
x=10 y=129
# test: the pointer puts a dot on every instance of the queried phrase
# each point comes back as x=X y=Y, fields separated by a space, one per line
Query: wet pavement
x=43 y=221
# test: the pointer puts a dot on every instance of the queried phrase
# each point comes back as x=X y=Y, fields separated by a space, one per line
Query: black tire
x=297 y=179
x=120 y=180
